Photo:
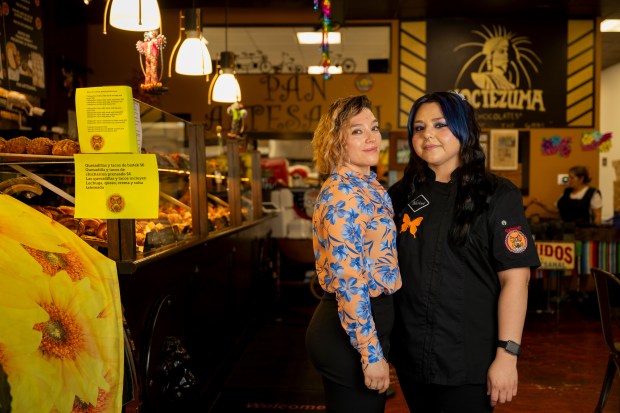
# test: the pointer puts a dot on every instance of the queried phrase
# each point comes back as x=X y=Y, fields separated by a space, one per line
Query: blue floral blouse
x=354 y=240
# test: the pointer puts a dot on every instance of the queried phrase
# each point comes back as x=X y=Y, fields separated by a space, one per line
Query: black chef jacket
x=446 y=327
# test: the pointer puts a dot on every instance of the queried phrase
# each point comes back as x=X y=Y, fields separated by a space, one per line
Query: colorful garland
x=556 y=145
x=326 y=13
x=593 y=140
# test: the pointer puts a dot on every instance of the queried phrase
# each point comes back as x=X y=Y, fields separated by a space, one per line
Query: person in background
x=465 y=253
x=354 y=240
x=579 y=203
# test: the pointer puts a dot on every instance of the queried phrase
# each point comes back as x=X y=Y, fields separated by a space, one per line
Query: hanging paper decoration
x=326 y=22
x=556 y=145
x=593 y=140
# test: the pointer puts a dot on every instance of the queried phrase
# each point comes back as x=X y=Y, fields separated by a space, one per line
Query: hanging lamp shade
x=193 y=58
x=135 y=15
x=225 y=87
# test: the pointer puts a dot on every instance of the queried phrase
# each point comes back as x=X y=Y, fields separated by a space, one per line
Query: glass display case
x=205 y=188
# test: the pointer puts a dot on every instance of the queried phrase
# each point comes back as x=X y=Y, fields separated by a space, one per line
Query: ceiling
x=369 y=10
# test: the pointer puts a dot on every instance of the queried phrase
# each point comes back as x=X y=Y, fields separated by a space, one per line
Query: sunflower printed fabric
x=354 y=240
x=61 y=334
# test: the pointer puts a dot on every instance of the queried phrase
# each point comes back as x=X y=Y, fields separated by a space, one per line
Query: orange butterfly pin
x=411 y=224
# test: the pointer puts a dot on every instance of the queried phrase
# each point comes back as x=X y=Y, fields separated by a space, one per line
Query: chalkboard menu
x=22 y=47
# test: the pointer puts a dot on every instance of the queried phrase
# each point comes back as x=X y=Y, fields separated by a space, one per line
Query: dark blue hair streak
x=473 y=183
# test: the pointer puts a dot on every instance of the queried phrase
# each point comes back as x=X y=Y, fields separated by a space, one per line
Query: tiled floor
x=561 y=369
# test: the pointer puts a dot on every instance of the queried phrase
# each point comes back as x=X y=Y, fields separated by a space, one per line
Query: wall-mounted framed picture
x=399 y=150
x=504 y=150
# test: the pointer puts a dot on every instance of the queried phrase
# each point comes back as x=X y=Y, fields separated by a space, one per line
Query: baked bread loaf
x=2 y=145
x=67 y=210
x=43 y=210
x=73 y=224
x=40 y=146
x=102 y=230
x=53 y=211
x=17 y=145
x=66 y=147
x=91 y=225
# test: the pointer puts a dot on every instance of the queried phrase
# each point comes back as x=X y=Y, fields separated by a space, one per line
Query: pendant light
x=193 y=58
x=224 y=86
x=132 y=15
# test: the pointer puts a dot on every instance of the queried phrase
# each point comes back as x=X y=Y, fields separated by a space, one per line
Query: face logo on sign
x=96 y=142
x=503 y=62
x=116 y=203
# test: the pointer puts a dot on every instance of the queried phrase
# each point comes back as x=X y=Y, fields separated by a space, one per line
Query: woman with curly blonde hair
x=355 y=250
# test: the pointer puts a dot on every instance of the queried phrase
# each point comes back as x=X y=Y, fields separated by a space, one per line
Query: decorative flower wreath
x=593 y=140
x=556 y=145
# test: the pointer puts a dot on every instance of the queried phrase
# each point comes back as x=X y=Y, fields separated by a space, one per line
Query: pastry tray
x=25 y=157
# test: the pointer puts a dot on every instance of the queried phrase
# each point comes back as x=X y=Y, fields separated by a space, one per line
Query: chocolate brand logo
x=502 y=70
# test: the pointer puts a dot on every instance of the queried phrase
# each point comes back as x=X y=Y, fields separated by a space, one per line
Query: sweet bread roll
x=53 y=211
x=102 y=231
x=2 y=145
x=66 y=147
x=43 y=210
x=67 y=210
x=91 y=225
x=140 y=237
x=73 y=224
x=40 y=146
x=17 y=145
x=175 y=218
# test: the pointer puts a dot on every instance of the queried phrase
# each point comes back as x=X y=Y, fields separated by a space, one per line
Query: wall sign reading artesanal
x=116 y=186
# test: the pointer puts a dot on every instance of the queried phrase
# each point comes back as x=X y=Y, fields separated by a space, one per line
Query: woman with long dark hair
x=465 y=252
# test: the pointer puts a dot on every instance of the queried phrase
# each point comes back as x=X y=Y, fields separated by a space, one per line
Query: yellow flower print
x=52 y=262
x=61 y=337
x=104 y=399
x=71 y=339
x=75 y=342
x=25 y=225
x=15 y=262
x=95 y=265
x=30 y=387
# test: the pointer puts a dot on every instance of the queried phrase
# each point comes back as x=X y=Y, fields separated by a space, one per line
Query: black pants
x=339 y=363
x=435 y=398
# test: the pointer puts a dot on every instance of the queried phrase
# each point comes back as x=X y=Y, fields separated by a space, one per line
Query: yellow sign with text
x=556 y=255
x=108 y=120
x=116 y=186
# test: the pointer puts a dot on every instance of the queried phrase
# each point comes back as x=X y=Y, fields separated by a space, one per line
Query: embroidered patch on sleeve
x=411 y=224
x=515 y=241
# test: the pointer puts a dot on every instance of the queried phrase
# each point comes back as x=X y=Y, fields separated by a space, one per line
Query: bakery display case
x=205 y=187
x=209 y=249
